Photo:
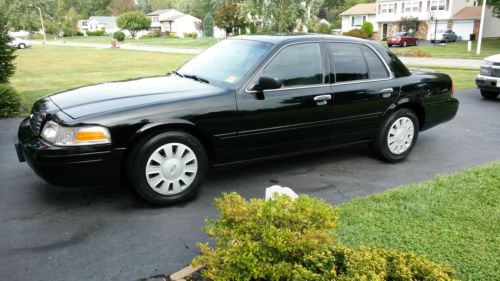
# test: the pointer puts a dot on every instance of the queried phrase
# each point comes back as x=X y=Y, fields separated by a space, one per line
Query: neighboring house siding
x=491 y=25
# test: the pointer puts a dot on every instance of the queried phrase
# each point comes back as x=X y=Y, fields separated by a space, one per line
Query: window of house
x=348 y=62
x=438 y=5
x=155 y=19
x=357 y=21
x=297 y=65
x=387 y=8
x=411 y=7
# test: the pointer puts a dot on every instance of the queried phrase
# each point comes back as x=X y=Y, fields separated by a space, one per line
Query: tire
x=404 y=139
x=416 y=42
x=404 y=44
x=489 y=95
x=389 y=45
x=179 y=176
x=21 y=46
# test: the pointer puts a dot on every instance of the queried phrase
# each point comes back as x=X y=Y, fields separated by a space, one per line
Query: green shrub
x=7 y=56
x=367 y=27
x=10 y=101
x=171 y=34
x=99 y=32
x=149 y=35
x=324 y=28
x=253 y=28
x=282 y=239
x=356 y=33
x=119 y=35
x=208 y=26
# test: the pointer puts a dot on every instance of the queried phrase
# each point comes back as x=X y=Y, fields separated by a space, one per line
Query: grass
x=463 y=78
x=455 y=50
x=43 y=70
x=170 y=42
x=452 y=219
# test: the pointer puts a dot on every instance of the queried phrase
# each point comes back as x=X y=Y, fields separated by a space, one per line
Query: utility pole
x=41 y=19
x=481 y=25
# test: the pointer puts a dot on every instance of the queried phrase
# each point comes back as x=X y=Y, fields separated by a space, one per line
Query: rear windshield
x=399 y=34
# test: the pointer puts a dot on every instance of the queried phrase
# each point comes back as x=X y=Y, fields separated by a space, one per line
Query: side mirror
x=268 y=83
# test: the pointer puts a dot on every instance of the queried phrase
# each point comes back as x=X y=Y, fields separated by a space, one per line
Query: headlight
x=68 y=136
x=485 y=70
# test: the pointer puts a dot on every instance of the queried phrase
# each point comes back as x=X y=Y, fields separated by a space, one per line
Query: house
x=108 y=24
x=170 y=20
x=355 y=16
x=462 y=16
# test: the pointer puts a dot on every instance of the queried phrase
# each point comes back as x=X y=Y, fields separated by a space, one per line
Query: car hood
x=100 y=98
x=494 y=58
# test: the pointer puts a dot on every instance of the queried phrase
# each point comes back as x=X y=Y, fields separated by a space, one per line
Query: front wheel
x=404 y=44
x=22 y=46
x=396 y=136
x=416 y=42
x=167 y=168
x=489 y=95
x=389 y=45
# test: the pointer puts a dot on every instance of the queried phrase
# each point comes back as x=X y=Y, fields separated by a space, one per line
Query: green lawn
x=455 y=50
x=43 y=70
x=463 y=78
x=452 y=219
x=172 y=42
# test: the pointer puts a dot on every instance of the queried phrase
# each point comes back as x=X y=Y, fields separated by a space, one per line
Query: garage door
x=440 y=26
x=463 y=28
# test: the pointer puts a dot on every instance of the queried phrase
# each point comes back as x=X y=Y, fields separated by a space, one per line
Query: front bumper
x=488 y=83
x=68 y=166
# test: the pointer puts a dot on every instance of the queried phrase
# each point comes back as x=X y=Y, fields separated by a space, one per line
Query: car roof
x=287 y=38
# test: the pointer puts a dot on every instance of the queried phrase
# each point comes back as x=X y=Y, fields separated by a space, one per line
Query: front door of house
x=384 y=30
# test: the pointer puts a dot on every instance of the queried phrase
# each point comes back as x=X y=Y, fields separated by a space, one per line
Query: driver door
x=293 y=118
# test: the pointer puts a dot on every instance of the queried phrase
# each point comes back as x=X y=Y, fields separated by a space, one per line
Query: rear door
x=363 y=88
x=293 y=118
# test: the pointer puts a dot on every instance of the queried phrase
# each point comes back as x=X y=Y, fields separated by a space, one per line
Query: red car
x=402 y=39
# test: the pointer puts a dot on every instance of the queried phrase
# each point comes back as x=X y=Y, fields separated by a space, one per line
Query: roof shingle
x=361 y=9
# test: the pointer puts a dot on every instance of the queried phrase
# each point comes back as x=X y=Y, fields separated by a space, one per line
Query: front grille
x=495 y=72
x=496 y=63
x=36 y=118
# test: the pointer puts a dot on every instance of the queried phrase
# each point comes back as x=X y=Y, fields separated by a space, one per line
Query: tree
x=70 y=22
x=23 y=14
x=133 y=22
x=145 y=6
x=118 y=7
x=229 y=17
x=208 y=26
x=6 y=53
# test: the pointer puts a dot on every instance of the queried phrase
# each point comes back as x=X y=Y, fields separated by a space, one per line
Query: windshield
x=399 y=34
x=226 y=62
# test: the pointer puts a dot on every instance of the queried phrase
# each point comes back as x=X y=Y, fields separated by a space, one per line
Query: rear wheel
x=489 y=95
x=396 y=136
x=21 y=46
x=404 y=44
x=167 y=168
x=416 y=42
x=389 y=45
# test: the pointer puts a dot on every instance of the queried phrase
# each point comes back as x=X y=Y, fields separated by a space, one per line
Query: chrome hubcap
x=171 y=168
x=400 y=136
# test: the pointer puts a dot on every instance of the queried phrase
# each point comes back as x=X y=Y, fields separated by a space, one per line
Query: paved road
x=463 y=63
x=133 y=47
x=459 y=63
x=106 y=233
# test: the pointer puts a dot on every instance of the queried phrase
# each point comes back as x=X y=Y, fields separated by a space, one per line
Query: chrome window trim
x=258 y=73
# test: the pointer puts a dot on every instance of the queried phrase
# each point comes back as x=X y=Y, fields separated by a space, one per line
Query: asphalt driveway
x=107 y=233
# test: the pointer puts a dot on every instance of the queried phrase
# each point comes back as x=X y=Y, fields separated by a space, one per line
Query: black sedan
x=245 y=99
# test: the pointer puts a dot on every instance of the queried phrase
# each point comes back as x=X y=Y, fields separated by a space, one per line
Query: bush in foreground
x=356 y=33
x=282 y=239
x=10 y=101
x=119 y=35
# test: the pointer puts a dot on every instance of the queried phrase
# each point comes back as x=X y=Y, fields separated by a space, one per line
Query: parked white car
x=488 y=80
x=20 y=43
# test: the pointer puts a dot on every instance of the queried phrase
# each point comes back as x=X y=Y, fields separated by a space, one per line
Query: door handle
x=323 y=99
x=386 y=92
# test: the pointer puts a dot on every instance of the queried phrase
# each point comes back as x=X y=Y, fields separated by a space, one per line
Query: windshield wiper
x=194 y=77
x=177 y=73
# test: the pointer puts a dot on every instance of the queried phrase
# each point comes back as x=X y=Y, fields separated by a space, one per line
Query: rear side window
x=297 y=65
x=376 y=67
x=349 y=63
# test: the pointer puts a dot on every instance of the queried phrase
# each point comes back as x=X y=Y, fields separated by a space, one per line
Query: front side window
x=348 y=62
x=297 y=65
